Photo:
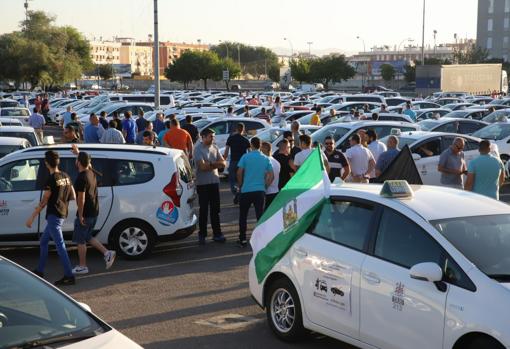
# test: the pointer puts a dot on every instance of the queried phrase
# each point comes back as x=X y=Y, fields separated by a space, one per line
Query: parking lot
x=183 y=296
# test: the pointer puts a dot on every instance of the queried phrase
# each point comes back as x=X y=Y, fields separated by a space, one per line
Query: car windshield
x=31 y=311
x=337 y=132
x=270 y=135
x=7 y=149
x=14 y=112
x=427 y=125
x=484 y=240
x=460 y=114
x=29 y=136
x=495 y=132
x=498 y=115
x=201 y=123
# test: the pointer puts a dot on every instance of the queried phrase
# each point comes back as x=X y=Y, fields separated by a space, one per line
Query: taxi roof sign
x=396 y=189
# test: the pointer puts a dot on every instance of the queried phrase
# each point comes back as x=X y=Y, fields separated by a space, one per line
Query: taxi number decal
x=397 y=298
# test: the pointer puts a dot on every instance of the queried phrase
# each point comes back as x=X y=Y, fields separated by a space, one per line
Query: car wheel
x=484 y=343
x=134 y=239
x=283 y=311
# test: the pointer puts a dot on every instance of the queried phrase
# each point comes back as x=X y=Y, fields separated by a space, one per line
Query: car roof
x=446 y=119
x=367 y=123
x=16 y=129
x=107 y=147
x=430 y=202
x=12 y=141
x=12 y=108
x=417 y=135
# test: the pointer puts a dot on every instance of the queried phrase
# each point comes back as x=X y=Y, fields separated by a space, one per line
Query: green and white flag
x=290 y=214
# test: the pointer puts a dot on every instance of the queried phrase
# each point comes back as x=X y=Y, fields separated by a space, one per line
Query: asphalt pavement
x=183 y=296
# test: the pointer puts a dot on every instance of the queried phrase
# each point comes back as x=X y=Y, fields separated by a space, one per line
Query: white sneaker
x=80 y=270
x=109 y=258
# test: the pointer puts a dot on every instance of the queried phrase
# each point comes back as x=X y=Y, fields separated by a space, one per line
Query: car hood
x=110 y=339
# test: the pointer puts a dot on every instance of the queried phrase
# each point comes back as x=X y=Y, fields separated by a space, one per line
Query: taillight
x=174 y=190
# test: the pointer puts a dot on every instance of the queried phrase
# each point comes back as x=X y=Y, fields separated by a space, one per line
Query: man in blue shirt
x=129 y=129
x=254 y=175
x=387 y=157
x=486 y=173
x=409 y=111
x=159 y=124
x=93 y=131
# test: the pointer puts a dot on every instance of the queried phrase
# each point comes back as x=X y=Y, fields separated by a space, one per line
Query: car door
x=104 y=192
x=428 y=151
x=327 y=260
x=21 y=184
x=397 y=311
x=467 y=128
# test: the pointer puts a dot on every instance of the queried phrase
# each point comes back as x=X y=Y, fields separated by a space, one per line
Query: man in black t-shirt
x=337 y=160
x=58 y=191
x=237 y=145
x=87 y=201
x=192 y=129
x=282 y=155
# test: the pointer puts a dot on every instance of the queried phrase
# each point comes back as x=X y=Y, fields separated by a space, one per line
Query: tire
x=283 y=311
x=483 y=343
x=133 y=239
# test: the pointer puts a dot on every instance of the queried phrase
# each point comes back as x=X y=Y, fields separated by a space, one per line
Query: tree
x=208 y=66
x=387 y=72
x=255 y=60
x=300 y=69
x=471 y=54
x=42 y=53
x=105 y=71
x=184 y=69
x=234 y=70
x=330 y=69
x=410 y=73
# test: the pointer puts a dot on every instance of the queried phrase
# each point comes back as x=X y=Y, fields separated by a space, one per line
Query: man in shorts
x=85 y=187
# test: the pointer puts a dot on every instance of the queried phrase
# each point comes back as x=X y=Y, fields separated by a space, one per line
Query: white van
x=146 y=195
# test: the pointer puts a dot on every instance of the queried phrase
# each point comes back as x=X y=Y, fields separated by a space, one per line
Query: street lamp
x=310 y=48
x=291 y=47
x=364 y=63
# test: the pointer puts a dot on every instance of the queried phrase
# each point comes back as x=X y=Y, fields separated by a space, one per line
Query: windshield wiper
x=54 y=340
x=500 y=277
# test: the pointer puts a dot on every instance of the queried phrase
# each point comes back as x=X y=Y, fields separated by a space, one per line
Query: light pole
x=423 y=37
x=291 y=47
x=310 y=48
x=435 y=33
x=364 y=63
x=156 y=56
x=239 y=55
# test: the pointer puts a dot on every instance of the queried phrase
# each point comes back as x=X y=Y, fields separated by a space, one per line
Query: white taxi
x=431 y=270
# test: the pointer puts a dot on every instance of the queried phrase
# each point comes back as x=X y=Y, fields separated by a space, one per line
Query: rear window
x=30 y=137
x=129 y=172
x=184 y=168
x=14 y=112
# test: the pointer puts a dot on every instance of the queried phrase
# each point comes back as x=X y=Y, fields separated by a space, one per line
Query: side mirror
x=428 y=271
x=416 y=157
x=86 y=307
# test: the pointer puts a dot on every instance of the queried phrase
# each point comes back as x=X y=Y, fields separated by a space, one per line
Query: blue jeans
x=232 y=177
x=53 y=231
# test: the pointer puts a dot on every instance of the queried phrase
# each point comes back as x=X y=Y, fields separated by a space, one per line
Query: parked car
x=223 y=127
x=462 y=126
x=11 y=144
x=20 y=132
x=145 y=194
x=10 y=122
x=16 y=113
x=35 y=314
x=499 y=133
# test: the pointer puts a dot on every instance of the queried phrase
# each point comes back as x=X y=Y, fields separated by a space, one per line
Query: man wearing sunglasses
x=452 y=165
x=336 y=160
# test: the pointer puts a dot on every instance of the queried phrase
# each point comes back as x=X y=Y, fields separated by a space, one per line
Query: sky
x=331 y=25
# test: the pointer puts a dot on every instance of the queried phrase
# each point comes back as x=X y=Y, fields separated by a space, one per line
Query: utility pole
x=156 y=56
x=239 y=54
x=435 y=33
x=26 y=10
x=423 y=37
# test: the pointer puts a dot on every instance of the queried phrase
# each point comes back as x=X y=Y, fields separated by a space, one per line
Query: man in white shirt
x=361 y=160
x=272 y=190
x=375 y=146
x=230 y=112
x=305 y=142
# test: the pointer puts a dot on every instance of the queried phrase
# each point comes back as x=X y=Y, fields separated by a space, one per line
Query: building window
x=489 y=24
x=489 y=43
x=507 y=6
x=491 y=6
